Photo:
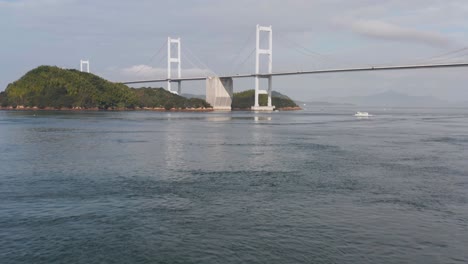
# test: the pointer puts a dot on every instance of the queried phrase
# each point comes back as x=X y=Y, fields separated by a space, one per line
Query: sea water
x=312 y=186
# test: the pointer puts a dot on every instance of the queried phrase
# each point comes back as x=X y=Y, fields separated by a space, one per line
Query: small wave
x=402 y=202
x=52 y=129
x=314 y=146
x=449 y=140
x=124 y=141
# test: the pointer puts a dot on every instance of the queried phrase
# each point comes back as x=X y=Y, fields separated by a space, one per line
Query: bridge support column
x=269 y=53
x=258 y=92
x=270 y=88
x=82 y=63
x=171 y=60
x=219 y=92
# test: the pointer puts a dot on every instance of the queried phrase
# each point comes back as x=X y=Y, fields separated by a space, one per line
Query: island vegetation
x=54 y=88
x=50 y=87
x=246 y=99
x=160 y=97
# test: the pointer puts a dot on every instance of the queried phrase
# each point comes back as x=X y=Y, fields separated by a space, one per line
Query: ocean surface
x=313 y=186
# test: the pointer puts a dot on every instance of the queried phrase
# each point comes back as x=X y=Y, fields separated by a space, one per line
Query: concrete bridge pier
x=219 y=92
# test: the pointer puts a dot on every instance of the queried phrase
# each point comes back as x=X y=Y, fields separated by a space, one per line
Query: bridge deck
x=266 y=75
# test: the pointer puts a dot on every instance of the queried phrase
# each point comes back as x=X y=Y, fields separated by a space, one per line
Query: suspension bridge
x=219 y=89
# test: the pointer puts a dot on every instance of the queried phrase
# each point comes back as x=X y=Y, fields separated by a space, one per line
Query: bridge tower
x=269 y=52
x=171 y=60
x=82 y=63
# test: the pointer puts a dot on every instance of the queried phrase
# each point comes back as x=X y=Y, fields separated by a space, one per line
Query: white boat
x=362 y=114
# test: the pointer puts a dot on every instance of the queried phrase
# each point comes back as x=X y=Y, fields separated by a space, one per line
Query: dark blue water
x=318 y=186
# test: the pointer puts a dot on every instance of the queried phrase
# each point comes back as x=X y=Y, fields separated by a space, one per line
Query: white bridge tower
x=269 y=52
x=171 y=60
x=82 y=63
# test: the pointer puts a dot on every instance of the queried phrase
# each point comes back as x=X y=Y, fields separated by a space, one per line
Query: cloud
x=387 y=31
x=142 y=71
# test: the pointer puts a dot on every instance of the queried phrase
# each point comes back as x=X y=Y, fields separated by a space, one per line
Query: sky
x=125 y=41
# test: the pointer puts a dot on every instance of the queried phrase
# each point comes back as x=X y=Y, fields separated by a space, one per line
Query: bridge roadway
x=342 y=70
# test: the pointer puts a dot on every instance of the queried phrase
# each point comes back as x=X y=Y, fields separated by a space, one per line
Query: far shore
x=154 y=109
x=77 y=109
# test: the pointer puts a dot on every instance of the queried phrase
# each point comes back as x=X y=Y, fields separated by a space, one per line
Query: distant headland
x=54 y=88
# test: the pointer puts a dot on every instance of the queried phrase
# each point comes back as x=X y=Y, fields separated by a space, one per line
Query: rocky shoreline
x=154 y=109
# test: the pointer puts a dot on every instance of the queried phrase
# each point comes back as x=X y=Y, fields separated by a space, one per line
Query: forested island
x=49 y=87
x=245 y=99
x=54 y=88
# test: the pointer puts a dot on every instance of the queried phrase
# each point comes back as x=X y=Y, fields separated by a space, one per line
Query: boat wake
x=362 y=114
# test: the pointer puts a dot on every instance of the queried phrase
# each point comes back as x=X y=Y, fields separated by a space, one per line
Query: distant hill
x=246 y=99
x=320 y=103
x=389 y=99
x=461 y=104
x=53 y=87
